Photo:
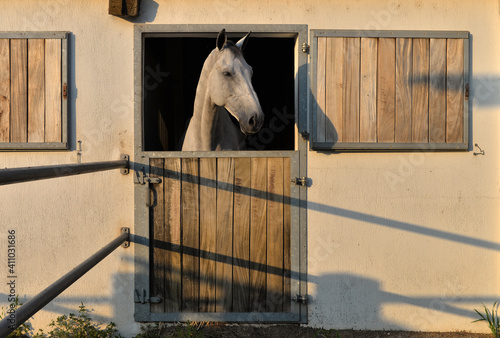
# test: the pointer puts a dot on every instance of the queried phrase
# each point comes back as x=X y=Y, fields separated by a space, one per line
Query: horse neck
x=205 y=111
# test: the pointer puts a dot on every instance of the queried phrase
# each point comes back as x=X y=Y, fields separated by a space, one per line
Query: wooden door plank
x=287 y=226
x=368 y=95
x=386 y=90
x=208 y=231
x=36 y=90
x=258 y=242
x=190 y=234
x=320 y=90
x=223 y=268
x=334 y=83
x=350 y=128
x=437 y=91
x=241 y=254
x=172 y=188
x=274 y=298
x=53 y=91
x=404 y=69
x=420 y=91
x=4 y=90
x=455 y=91
x=19 y=90
x=159 y=240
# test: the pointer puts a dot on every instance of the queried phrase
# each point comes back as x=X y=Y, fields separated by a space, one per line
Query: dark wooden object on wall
x=124 y=7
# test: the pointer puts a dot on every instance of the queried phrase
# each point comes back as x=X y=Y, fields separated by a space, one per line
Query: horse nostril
x=251 y=122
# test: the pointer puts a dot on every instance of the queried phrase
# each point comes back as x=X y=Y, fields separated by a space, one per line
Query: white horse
x=224 y=88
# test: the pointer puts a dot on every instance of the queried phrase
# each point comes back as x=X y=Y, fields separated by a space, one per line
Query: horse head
x=230 y=84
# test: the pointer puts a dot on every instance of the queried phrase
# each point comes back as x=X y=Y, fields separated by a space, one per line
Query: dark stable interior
x=172 y=66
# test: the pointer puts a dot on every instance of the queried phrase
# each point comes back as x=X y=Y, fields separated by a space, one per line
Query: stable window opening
x=171 y=70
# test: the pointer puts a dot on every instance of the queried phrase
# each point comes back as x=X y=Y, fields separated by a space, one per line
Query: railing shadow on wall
x=354 y=286
x=345 y=213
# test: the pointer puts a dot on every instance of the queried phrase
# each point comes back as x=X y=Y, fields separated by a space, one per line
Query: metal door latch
x=300 y=299
x=143 y=299
x=142 y=178
x=300 y=181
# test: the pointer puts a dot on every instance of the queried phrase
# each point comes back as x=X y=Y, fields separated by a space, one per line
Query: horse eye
x=227 y=74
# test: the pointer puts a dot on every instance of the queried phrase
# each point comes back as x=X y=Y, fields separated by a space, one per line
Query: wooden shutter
x=32 y=91
x=390 y=90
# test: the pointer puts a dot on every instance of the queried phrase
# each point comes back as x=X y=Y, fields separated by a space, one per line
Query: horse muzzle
x=253 y=124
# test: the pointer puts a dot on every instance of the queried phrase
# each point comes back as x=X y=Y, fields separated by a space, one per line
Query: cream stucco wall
x=396 y=240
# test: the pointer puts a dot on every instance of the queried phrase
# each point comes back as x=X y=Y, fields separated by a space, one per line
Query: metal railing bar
x=9 y=324
x=18 y=175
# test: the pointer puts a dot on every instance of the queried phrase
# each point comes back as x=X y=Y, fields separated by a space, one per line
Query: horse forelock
x=231 y=46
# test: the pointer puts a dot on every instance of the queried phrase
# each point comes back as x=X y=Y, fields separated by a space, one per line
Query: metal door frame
x=299 y=169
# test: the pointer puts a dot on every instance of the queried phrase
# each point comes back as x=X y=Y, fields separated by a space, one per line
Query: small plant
x=491 y=317
x=25 y=328
x=151 y=331
x=78 y=326
x=322 y=333
x=190 y=330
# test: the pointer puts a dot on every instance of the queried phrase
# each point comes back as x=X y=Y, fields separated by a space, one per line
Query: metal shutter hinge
x=300 y=299
x=143 y=299
x=300 y=181
x=466 y=94
x=65 y=91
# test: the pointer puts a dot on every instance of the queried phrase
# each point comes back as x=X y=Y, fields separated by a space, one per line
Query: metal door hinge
x=305 y=135
x=65 y=91
x=305 y=48
x=300 y=299
x=300 y=181
x=143 y=299
x=466 y=94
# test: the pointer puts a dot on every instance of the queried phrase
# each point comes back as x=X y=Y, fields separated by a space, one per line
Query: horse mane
x=230 y=45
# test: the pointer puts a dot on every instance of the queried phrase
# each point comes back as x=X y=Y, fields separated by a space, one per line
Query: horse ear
x=221 y=39
x=243 y=41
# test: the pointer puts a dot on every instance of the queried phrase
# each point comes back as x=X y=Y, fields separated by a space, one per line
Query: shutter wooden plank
x=53 y=91
x=159 y=235
x=19 y=90
x=258 y=242
x=350 y=128
x=404 y=68
x=386 y=89
x=36 y=90
x=224 y=269
x=287 y=225
x=4 y=90
x=172 y=187
x=275 y=235
x=320 y=91
x=241 y=267
x=334 y=85
x=190 y=234
x=455 y=91
x=208 y=231
x=368 y=100
x=420 y=91
x=437 y=91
